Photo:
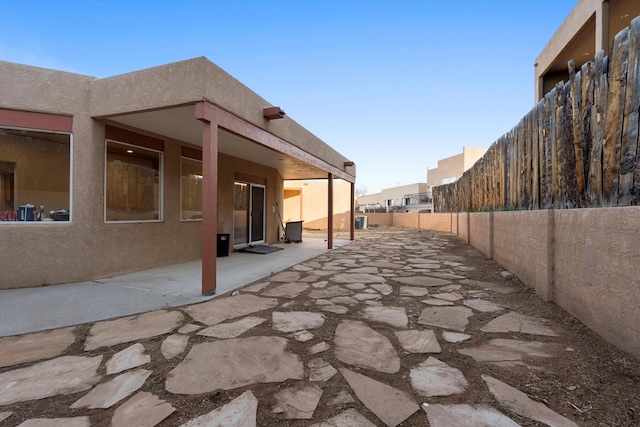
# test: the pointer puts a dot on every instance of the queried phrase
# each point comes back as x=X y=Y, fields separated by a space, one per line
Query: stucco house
x=104 y=176
x=589 y=28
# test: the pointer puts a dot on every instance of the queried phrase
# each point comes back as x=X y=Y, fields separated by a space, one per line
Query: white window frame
x=194 y=160
x=160 y=189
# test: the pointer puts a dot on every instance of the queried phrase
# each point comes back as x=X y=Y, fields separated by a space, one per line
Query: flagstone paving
x=399 y=328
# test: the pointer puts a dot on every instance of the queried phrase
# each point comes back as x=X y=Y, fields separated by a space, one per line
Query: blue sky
x=407 y=82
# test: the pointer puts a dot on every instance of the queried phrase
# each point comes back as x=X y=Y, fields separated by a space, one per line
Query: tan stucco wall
x=596 y=275
x=523 y=244
x=312 y=204
x=480 y=232
x=435 y=221
x=463 y=226
x=379 y=219
x=29 y=256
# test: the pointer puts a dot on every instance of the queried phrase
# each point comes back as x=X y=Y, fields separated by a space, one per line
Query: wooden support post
x=209 y=197
x=330 y=211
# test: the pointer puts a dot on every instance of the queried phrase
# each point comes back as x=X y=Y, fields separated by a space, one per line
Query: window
x=191 y=190
x=132 y=183
x=35 y=175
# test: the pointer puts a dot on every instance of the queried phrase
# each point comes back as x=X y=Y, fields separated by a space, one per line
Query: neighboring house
x=452 y=168
x=589 y=28
x=308 y=200
x=142 y=170
x=403 y=198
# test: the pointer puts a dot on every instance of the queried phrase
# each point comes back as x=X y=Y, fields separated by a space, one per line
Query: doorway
x=248 y=214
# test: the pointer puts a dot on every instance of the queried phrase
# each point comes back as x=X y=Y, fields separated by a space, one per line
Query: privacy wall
x=577 y=148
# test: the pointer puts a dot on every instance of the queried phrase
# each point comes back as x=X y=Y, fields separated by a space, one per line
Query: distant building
x=589 y=28
x=452 y=168
x=403 y=198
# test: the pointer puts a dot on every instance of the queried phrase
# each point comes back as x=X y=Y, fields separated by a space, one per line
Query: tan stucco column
x=209 y=196
x=602 y=27
x=352 y=217
x=330 y=211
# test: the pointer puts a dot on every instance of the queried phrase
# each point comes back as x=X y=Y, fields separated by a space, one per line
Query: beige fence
x=577 y=148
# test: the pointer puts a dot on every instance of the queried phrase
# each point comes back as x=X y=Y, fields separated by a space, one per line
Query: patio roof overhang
x=236 y=138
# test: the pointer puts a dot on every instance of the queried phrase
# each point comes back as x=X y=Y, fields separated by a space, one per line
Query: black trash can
x=223 y=244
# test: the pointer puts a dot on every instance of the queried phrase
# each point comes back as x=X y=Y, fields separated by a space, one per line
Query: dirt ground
x=593 y=384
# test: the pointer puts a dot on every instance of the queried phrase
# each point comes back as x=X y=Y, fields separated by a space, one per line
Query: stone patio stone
x=413 y=291
x=435 y=378
x=348 y=418
x=291 y=321
x=302 y=336
x=319 y=348
x=173 y=345
x=188 y=328
x=143 y=409
x=466 y=415
x=218 y=310
x=383 y=264
x=448 y=296
x=232 y=329
x=127 y=329
x=483 y=306
x=320 y=284
x=455 y=318
x=241 y=411
x=450 y=288
x=320 y=370
x=367 y=270
x=507 y=352
x=437 y=302
x=359 y=345
x=358 y=278
x=367 y=297
x=257 y=287
x=391 y=405
x=107 y=394
x=4 y=415
x=518 y=402
x=130 y=357
x=57 y=422
x=394 y=316
x=234 y=363
x=32 y=347
x=336 y=309
x=298 y=403
x=384 y=289
x=286 y=276
x=346 y=300
x=288 y=290
x=516 y=322
x=455 y=336
x=343 y=397
x=330 y=292
x=424 y=281
x=446 y=275
x=63 y=375
x=419 y=341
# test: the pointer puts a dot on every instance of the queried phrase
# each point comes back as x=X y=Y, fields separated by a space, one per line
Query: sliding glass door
x=248 y=214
